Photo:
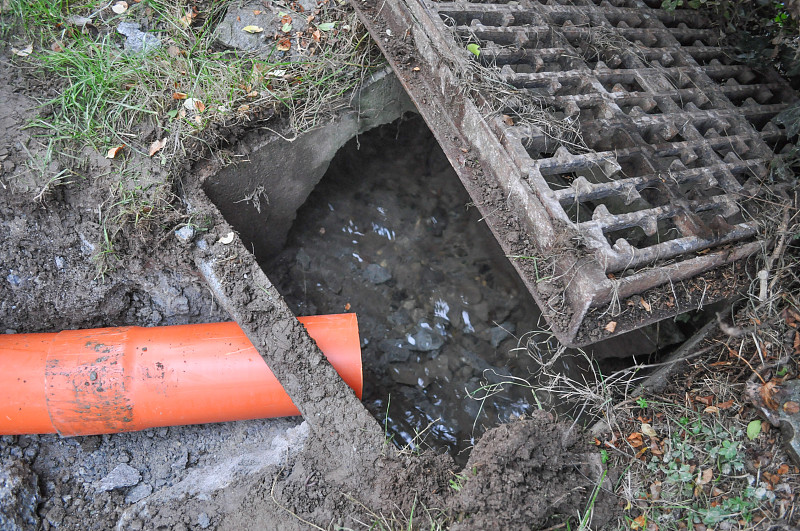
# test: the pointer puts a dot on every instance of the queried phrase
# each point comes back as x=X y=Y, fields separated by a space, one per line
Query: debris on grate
x=612 y=147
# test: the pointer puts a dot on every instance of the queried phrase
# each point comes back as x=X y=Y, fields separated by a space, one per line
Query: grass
x=174 y=96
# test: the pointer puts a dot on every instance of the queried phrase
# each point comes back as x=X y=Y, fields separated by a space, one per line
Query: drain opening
x=387 y=234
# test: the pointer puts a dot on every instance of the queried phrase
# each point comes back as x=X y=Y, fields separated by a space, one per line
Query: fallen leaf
x=648 y=430
x=610 y=327
x=326 y=26
x=179 y=96
x=474 y=49
x=24 y=52
x=316 y=36
x=707 y=400
x=286 y=28
x=646 y=305
x=243 y=108
x=253 y=94
x=655 y=490
x=635 y=439
x=193 y=104
x=796 y=344
x=57 y=46
x=508 y=120
x=253 y=29
x=257 y=12
x=120 y=7
x=783 y=469
x=114 y=151
x=415 y=69
x=767 y=391
x=725 y=405
x=639 y=522
x=711 y=409
x=753 y=429
x=227 y=239
x=157 y=146
x=284 y=45
x=286 y=19
x=705 y=477
x=791 y=407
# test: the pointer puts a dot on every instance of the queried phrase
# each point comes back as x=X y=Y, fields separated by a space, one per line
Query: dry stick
x=275 y=500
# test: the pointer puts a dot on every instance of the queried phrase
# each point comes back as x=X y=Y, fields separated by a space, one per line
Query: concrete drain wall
x=639 y=216
x=276 y=175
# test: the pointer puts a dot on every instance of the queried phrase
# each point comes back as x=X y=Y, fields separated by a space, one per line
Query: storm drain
x=613 y=148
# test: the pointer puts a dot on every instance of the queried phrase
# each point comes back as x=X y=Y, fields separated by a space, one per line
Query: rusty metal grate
x=643 y=215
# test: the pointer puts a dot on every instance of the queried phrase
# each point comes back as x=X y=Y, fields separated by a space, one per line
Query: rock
x=60 y=262
x=424 y=340
x=139 y=492
x=14 y=280
x=137 y=41
x=122 y=476
x=395 y=350
x=19 y=496
x=376 y=274
x=498 y=333
x=185 y=234
x=203 y=520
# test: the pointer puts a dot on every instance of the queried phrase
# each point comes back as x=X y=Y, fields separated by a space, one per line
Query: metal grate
x=643 y=215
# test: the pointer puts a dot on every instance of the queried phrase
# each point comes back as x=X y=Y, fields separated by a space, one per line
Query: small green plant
x=457 y=482
x=641 y=402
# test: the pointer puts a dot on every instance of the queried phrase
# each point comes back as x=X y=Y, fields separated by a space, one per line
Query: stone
x=424 y=340
x=14 y=280
x=377 y=274
x=498 y=333
x=137 y=41
x=139 y=492
x=203 y=520
x=123 y=475
x=185 y=234
x=395 y=350
x=19 y=496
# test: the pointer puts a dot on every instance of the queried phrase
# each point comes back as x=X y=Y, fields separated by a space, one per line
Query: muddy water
x=389 y=234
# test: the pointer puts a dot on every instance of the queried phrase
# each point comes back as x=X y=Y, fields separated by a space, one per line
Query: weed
x=457 y=482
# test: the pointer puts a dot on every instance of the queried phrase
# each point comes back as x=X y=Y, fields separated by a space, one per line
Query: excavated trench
x=389 y=232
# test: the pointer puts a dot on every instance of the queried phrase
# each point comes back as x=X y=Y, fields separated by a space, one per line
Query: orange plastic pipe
x=109 y=380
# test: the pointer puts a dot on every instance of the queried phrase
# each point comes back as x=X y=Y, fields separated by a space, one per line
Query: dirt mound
x=520 y=475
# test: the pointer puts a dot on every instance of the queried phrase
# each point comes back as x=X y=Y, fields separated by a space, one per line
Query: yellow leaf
x=646 y=305
x=252 y=29
x=157 y=146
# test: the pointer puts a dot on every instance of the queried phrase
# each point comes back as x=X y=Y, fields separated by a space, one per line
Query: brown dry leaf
x=257 y=12
x=725 y=405
x=23 y=52
x=796 y=343
x=243 y=108
x=704 y=478
x=199 y=106
x=120 y=7
x=639 y=522
x=179 y=96
x=707 y=400
x=173 y=51
x=253 y=94
x=309 y=18
x=347 y=307
x=114 y=151
x=286 y=19
x=648 y=430
x=317 y=35
x=635 y=439
x=508 y=120
x=198 y=120
x=767 y=391
x=284 y=45
x=157 y=146
x=711 y=409
x=783 y=469
x=415 y=69
x=646 y=305
x=791 y=407
x=610 y=327
x=57 y=46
